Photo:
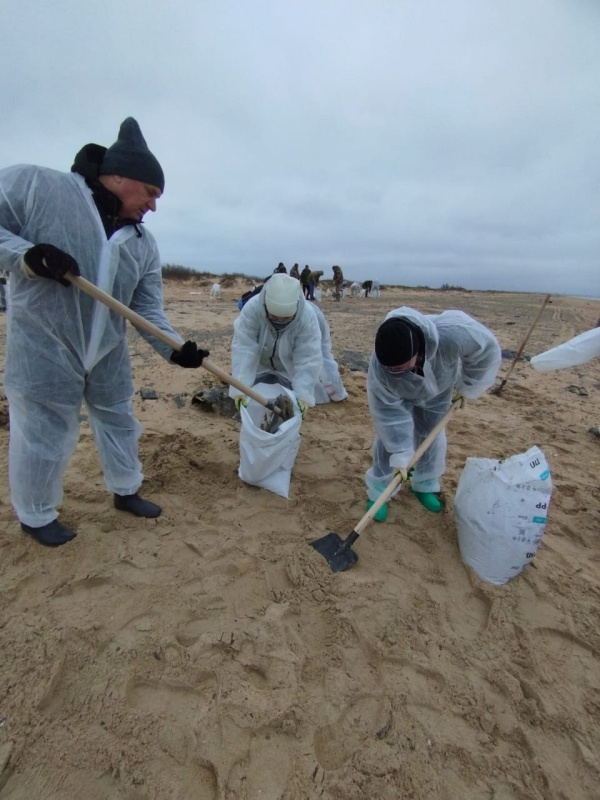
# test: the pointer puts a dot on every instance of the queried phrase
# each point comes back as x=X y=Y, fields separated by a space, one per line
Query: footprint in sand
x=171 y=700
x=335 y=744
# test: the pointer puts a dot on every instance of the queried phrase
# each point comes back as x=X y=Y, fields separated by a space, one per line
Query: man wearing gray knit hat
x=130 y=157
x=63 y=347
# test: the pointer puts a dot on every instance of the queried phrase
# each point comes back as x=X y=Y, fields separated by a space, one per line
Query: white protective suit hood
x=413 y=386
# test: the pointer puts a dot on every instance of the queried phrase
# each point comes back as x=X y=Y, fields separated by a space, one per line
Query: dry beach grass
x=211 y=654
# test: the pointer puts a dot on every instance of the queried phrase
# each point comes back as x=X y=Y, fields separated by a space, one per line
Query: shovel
x=338 y=552
x=498 y=389
x=140 y=322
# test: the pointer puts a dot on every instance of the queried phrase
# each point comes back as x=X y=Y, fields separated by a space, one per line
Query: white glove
x=401 y=460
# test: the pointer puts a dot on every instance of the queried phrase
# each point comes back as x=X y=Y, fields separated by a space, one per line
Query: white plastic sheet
x=267 y=459
x=500 y=510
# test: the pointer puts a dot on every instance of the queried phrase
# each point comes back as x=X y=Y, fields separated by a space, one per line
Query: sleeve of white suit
x=245 y=345
x=474 y=347
x=571 y=353
x=307 y=358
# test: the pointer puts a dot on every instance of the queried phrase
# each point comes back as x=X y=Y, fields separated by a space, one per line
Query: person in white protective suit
x=63 y=346
x=419 y=362
x=276 y=337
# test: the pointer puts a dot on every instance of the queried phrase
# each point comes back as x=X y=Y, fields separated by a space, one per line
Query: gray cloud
x=420 y=143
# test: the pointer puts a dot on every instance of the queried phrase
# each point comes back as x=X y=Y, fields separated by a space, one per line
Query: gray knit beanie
x=130 y=157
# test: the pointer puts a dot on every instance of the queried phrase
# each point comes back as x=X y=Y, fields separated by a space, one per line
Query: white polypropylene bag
x=576 y=351
x=500 y=510
x=267 y=459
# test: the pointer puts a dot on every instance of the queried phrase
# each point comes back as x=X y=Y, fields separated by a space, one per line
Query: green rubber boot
x=430 y=500
x=381 y=515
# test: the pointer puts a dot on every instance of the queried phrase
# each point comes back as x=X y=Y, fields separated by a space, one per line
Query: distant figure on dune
x=215 y=292
x=313 y=282
x=355 y=289
x=374 y=289
x=305 y=281
x=338 y=283
x=367 y=286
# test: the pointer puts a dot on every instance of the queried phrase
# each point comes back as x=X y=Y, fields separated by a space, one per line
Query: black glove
x=48 y=261
x=190 y=356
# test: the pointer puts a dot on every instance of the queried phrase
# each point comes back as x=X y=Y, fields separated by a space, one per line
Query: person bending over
x=419 y=361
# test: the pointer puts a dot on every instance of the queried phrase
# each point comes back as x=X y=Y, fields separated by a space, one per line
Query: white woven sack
x=500 y=510
x=267 y=459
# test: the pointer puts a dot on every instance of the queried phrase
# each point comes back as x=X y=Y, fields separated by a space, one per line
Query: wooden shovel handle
x=145 y=325
x=393 y=485
x=527 y=335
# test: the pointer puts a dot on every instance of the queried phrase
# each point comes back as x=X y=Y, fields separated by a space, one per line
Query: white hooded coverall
x=460 y=354
x=63 y=346
x=293 y=354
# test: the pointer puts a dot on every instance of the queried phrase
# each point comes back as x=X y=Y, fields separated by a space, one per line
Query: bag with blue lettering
x=500 y=510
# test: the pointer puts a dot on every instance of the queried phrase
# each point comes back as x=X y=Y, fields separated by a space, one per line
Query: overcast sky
x=419 y=142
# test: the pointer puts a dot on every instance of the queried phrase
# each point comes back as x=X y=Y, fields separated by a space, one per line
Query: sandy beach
x=212 y=655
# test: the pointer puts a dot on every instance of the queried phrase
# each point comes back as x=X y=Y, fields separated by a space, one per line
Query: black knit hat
x=397 y=342
x=130 y=157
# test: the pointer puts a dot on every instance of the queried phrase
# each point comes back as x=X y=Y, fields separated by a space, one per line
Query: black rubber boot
x=51 y=535
x=135 y=505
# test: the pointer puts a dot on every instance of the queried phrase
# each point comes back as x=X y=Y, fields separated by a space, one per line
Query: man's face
x=136 y=197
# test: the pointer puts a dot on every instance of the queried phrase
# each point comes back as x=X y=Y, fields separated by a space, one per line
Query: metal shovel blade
x=498 y=389
x=336 y=551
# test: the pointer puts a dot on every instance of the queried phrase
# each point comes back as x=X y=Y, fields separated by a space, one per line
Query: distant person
x=367 y=286
x=355 y=289
x=313 y=282
x=215 y=292
x=305 y=281
x=277 y=335
x=62 y=346
x=338 y=283
x=295 y=272
x=375 y=289
x=280 y=269
x=419 y=361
